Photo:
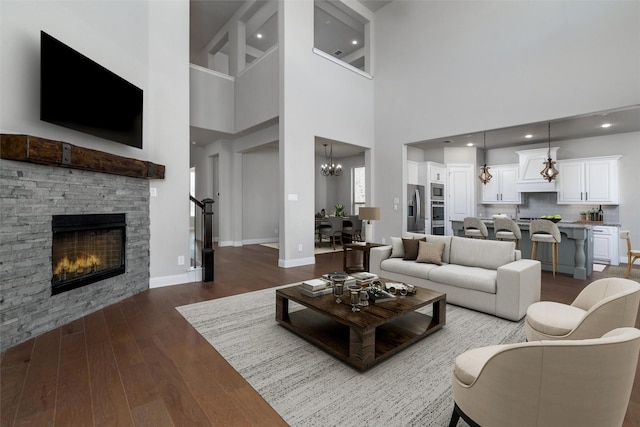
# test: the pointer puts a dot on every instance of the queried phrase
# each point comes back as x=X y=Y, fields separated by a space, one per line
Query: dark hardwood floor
x=138 y=362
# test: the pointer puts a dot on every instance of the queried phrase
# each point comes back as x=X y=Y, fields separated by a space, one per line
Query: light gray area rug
x=621 y=271
x=308 y=387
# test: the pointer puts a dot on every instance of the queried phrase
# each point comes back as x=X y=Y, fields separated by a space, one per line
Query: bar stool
x=545 y=231
x=507 y=229
x=473 y=227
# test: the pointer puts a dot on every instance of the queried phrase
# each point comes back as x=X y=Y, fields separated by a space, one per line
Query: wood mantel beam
x=32 y=149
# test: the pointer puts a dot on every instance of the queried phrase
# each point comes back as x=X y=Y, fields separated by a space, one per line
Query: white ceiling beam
x=261 y=16
x=217 y=41
x=345 y=17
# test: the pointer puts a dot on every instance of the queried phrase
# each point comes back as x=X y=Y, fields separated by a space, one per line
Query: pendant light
x=330 y=168
x=549 y=172
x=485 y=176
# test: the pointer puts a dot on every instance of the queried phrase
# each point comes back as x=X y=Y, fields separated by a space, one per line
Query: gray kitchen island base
x=575 y=249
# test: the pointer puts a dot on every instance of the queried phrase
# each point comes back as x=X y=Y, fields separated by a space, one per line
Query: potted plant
x=339 y=209
x=583 y=216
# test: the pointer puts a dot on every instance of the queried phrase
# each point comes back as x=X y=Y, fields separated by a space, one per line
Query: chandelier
x=330 y=168
x=485 y=176
x=549 y=172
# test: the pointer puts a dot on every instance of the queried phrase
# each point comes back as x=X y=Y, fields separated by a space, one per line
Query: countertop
x=561 y=224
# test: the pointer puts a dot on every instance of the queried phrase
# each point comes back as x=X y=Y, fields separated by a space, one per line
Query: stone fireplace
x=45 y=206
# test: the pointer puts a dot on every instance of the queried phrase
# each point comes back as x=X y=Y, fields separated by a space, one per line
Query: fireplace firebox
x=86 y=249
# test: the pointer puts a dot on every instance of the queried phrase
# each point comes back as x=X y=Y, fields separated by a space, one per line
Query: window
x=340 y=32
x=358 y=188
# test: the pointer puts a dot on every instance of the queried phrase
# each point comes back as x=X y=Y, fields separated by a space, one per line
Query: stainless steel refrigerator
x=415 y=208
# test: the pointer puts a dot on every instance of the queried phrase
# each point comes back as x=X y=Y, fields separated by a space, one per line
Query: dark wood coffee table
x=364 y=338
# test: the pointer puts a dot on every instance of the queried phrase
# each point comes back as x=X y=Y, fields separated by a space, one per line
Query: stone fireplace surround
x=30 y=194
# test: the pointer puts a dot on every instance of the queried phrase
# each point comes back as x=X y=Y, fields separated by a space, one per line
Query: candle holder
x=338 y=286
x=355 y=299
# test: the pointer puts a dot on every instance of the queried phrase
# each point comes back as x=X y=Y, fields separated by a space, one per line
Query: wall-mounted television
x=80 y=94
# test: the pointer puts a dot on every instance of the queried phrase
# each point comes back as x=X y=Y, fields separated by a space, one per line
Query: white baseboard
x=259 y=241
x=288 y=263
x=190 y=276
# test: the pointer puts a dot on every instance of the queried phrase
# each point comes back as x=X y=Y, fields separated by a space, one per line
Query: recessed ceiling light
x=259 y=35
x=354 y=42
x=605 y=125
x=469 y=144
x=528 y=136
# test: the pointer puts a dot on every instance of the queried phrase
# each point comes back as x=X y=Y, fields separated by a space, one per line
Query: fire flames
x=82 y=264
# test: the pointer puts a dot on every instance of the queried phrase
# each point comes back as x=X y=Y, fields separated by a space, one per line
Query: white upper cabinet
x=412 y=172
x=436 y=172
x=588 y=181
x=501 y=189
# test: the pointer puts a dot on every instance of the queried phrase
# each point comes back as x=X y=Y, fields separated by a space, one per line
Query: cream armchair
x=584 y=383
x=602 y=306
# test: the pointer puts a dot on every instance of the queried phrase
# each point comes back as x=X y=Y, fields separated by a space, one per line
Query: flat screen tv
x=78 y=93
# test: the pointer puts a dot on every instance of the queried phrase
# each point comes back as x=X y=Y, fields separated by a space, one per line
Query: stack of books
x=315 y=287
x=364 y=279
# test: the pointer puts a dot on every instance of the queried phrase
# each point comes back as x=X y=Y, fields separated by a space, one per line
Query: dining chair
x=632 y=254
x=332 y=231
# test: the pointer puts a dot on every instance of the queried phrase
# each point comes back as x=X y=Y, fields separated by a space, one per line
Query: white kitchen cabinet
x=436 y=172
x=588 y=181
x=501 y=189
x=412 y=172
x=605 y=244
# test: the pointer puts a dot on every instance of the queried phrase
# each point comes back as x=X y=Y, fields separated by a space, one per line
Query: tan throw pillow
x=430 y=252
x=411 y=248
x=397 y=248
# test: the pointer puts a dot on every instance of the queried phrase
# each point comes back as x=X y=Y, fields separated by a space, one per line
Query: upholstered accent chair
x=473 y=228
x=584 y=383
x=507 y=229
x=545 y=231
x=632 y=254
x=602 y=306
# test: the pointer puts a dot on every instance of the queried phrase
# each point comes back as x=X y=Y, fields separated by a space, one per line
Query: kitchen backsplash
x=535 y=205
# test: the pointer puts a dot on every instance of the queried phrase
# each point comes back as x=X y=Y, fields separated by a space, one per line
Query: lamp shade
x=369 y=214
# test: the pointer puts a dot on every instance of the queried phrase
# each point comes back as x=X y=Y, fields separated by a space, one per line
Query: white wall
x=256 y=92
x=447 y=68
x=211 y=100
x=317 y=97
x=260 y=214
x=134 y=41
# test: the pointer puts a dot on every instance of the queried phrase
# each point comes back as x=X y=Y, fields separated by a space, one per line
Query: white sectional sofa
x=484 y=275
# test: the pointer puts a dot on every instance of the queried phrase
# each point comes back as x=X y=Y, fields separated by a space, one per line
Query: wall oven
x=437 y=218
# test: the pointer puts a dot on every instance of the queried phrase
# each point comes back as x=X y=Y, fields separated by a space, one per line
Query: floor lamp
x=368 y=215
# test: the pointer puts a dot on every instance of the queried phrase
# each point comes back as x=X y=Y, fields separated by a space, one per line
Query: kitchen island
x=575 y=251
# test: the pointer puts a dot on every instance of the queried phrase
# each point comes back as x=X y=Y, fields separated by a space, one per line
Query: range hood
x=531 y=162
